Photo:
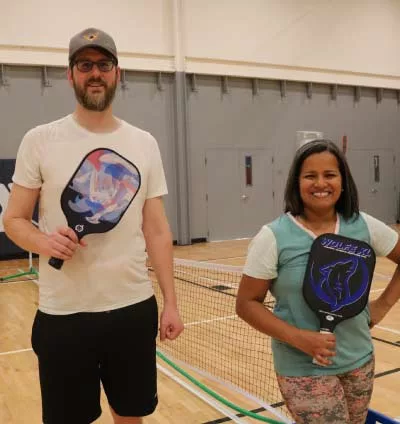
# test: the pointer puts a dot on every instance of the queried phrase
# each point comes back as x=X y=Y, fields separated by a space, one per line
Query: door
x=374 y=175
x=240 y=196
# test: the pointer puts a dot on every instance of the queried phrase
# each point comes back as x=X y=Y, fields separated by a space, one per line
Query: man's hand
x=61 y=244
x=171 y=324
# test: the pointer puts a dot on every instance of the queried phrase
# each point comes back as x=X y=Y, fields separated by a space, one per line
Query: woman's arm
x=250 y=307
x=382 y=305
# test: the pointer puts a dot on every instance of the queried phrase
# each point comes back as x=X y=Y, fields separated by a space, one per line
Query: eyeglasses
x=102 y=65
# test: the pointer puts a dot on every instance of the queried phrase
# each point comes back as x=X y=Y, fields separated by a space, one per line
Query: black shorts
x=76 y=352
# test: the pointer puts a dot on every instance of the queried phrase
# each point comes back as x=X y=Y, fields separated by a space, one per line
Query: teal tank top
x=353 y=339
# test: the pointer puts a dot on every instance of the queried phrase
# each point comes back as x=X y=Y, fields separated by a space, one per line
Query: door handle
x=374 y=190
x=244 y=197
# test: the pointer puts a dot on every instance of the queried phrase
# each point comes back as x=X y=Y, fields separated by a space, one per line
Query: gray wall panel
x=26 y=103
x=142 y=104
x=240 y=119
x=216 y=119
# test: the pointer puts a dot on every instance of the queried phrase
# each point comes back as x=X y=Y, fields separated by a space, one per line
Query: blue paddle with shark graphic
x=338 y=279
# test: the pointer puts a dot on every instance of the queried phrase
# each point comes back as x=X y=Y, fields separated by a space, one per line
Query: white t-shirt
x=262 y=258
x=111 y=271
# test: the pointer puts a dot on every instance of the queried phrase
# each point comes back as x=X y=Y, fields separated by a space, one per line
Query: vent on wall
x=303 y=137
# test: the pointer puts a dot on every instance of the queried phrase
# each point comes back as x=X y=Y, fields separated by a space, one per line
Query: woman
x=320 y=197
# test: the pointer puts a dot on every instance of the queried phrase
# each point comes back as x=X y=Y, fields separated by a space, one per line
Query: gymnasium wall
x=38 y=32
x=258 y=44
x=236 y=118
x=144 y=101
x=241 y=118
x=348 y=42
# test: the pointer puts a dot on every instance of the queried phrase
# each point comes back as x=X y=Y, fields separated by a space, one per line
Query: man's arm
x=18 y=226
x=159 y=248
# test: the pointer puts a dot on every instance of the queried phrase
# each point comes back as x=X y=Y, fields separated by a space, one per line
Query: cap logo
x=91 y=36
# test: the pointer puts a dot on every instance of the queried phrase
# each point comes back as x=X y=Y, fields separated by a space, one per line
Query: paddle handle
x=315 y=360
x=56 y=263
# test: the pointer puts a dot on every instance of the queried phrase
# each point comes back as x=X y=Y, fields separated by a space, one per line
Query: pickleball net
x=216 y=343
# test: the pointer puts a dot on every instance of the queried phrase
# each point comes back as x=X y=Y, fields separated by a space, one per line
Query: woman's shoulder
x=268 y=232
x=281 y=228
x=366 y=218
x=380 y=235
x=279 y=221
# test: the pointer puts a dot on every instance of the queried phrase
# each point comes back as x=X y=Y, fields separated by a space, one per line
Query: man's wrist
x=170 y=302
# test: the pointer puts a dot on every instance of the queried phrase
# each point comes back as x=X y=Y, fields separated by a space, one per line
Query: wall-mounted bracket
x=224 y=85
x=3 y=79
x=357 y=94
x=255 y=86
x=193 y=83
x=283 y=87
x=334 y=91
x=124 y=84
x=160 y=86
x=379 y=95
x=45 y=78
x=309 y=90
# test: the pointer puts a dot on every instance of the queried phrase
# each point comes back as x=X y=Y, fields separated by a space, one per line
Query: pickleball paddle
x=98 y=194
x=338 y=279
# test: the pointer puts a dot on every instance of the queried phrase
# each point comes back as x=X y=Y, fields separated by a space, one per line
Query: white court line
x=234 y=388
x=19 y=281
x=15 y=282
x=376 y=290
x=189 y=324
x=35 y=280
x=391 y=330
x=223 y=259
x=206 y=398
x=186 y=325
x=11 y=352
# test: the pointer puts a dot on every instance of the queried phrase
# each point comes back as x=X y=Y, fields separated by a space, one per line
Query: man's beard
x=96 y=102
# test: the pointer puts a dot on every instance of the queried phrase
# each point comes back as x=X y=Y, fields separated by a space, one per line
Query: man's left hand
x=171 y=324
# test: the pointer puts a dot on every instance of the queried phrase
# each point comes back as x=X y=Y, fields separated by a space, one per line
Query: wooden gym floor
x=19 y=385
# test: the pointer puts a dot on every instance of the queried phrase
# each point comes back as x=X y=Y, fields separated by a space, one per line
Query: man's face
x=95 y=89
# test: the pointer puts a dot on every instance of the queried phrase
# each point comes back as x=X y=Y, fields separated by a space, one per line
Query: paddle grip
x=56 y=263
x=315 y=361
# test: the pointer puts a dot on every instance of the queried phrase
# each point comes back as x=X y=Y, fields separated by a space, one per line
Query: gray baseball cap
x=92 y=37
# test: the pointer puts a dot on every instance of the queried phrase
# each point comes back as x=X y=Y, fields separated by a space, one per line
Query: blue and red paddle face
x=338 y=278
x=98 y=193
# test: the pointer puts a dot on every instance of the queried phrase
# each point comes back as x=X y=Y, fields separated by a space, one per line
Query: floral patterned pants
x=331 y=399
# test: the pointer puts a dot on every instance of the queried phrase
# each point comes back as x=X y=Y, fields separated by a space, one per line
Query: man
x=97 y=317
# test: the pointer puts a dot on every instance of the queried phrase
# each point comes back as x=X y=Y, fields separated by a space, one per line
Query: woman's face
x=320 y=182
